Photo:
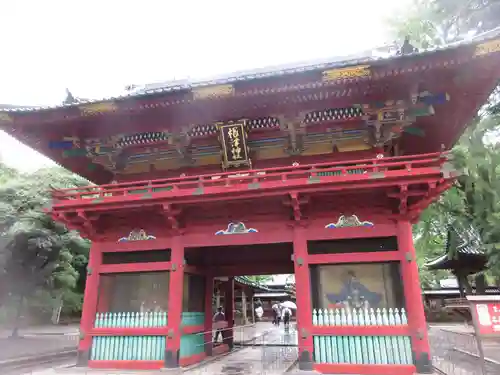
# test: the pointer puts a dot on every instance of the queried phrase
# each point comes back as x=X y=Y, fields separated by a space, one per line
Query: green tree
x=41 y=261
x=432 y=23
x=260 y=279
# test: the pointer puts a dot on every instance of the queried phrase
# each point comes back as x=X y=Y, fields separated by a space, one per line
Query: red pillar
x=89 y=309
x=175 y=294
x=413 y=299
x=303 y=298
x=229 y=312
x=209 y=291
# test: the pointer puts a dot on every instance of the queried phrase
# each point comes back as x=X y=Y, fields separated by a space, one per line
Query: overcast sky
x=97 y=47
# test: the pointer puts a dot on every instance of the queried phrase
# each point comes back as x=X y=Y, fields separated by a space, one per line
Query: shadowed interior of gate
x=264 y=259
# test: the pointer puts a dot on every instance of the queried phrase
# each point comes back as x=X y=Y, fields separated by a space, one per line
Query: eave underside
x=463 y=263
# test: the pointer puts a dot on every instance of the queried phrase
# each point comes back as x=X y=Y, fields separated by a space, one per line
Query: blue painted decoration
x=354 y=294
x=236 y=228
x=61 y=145
x=137 y=235
x=349 y=221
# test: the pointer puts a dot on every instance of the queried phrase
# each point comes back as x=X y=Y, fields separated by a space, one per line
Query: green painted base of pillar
x=305 y=361
x=171 y=359
x=423 y=363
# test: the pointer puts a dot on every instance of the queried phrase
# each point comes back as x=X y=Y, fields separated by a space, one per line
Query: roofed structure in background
x=265 y=291
x=463 y=252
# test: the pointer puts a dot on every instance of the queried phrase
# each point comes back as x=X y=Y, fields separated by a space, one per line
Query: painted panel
x=137 y=168
x=344 y=73
x=207 y=160
x=139 y=292
x=210 y=92
x=352 y=145
x=486 y=48
x=356 y=286
x=166 y=164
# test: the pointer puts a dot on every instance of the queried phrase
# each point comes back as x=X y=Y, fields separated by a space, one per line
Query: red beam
x=135 y=267
x=378 y=230
x=115 y=246
x=126 y=365
x=371 y=257
x=360 y=330
x=315 y=231
x=200 y=240
x=330 y=368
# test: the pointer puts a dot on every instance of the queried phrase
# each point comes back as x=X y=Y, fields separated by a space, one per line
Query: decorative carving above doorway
x=236 y=228
x=137 y=235
x=349 y=221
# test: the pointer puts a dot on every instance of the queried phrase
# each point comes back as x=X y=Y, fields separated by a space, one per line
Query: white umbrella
x=289 y=304
x=259 y=311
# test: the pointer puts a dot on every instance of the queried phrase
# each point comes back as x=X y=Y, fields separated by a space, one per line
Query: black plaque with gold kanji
x=233 y=138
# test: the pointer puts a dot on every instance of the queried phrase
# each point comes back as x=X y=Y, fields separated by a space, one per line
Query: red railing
x=285 y=176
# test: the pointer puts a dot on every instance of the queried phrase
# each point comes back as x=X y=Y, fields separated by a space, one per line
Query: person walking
x=287 y=314
x=276 y=314
x=218 y=317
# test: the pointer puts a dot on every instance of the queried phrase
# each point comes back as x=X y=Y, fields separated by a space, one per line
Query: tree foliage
x=432 y=23
x=40 y=260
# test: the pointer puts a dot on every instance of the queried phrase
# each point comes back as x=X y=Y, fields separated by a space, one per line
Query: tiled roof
x=289 y=69
x=246 y=281
x=460 y=241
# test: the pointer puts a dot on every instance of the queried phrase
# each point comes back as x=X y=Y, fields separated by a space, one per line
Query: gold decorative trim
x=343 y=73
x=137 y=235
x=213 y=92
x=487 y=47
x=97 y=108
x=4 y=117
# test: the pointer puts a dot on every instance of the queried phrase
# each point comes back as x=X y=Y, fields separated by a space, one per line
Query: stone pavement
x=38 y=340
x=274 y=353
x=276 y=336
x=454 y=351
x=44 y=330
x=465 y=334
x=246 y=333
